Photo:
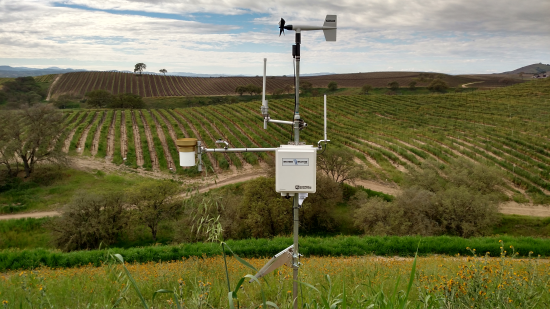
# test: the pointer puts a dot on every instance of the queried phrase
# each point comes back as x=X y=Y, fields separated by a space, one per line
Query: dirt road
x=249 y=174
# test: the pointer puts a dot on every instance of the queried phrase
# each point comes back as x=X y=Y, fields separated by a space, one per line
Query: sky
x=232 y=37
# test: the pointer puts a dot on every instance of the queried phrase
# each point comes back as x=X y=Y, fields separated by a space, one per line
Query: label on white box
x=295 y=162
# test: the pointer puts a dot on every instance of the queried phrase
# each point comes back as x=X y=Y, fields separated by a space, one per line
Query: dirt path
x=40 y=214
x=123 y=135
x=111 y=139
x=150 y=143
x=51 y=87
x=82 y=140
x=162 y=137
x=466 y=85
x=137 y=140
x=95 y=142
x=67 y=143
x=513 y=208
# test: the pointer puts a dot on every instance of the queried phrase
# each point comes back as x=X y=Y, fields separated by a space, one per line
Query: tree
x=412 y=85
x=288 y=88
x=277 y=93
x=306 y=86
x=163 y=71
x=240 y=90
x=7 y=143
x=127 y=100
x=253 y=89
x=438 y=85
x=31 y=134
x=99 y=98
x=332 y=86
x=366 y=88
x=153 y=203
x=394 y=86
x=338 y=164
x=140 y=67
x=90 y=220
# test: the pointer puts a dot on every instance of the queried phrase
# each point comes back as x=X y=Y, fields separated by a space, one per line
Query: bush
x=438 y=85
x=127 y=100
x=99 y=98
x=255 y=210
x=366 y=88
x=332 y=86
x=394 y=86
x=459 y=200
x=88 y=221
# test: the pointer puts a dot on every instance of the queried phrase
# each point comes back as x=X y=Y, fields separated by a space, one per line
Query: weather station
x=295 y=163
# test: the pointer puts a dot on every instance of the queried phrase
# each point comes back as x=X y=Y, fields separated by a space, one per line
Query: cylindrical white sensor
x=187 y=158
x=187 y=148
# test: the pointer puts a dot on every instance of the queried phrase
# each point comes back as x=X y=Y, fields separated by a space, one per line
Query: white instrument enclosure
x=295 y=169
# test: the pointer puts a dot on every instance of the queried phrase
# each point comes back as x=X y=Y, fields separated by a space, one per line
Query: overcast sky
x=233 y=37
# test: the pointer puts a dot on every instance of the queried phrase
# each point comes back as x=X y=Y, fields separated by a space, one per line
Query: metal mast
x=296 y=206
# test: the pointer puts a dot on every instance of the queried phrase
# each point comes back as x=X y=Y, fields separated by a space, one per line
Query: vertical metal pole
x=264 y=103
x=325 y=110
x=295 y=259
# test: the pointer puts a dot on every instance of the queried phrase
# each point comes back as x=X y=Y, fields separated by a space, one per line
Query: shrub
x=366 y=88
x=394 y=86
x=88 y=221
x=459 y=200
x=332 y=86
x=99 y=98
x=438 y=85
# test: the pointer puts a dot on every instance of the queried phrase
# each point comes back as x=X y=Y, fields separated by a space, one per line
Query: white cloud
x=448 y=36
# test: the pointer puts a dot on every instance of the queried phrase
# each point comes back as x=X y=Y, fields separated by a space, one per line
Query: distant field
x=508 y=127
x=79 y=83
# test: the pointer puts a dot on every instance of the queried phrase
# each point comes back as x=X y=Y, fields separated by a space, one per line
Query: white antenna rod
x=325 y=116
x=264 y=102
x=263 y=92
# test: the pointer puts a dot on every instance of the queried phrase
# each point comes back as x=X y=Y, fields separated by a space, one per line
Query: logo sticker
x=297 y=187
x=295 y=162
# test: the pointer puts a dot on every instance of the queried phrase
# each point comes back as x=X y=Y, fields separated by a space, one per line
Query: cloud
x=453 y=36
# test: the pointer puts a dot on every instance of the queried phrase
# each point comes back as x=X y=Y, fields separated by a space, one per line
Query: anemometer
x=295 y=163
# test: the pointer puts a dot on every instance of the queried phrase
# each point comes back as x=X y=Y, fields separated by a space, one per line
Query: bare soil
x=239 y=155
x=209 y=154
x=82 y=140
x=123 y=136
x=111 y=138
x=67 y=144
x=514 y=208
x=180 y=126
x=150 y=143
x=160 y=133
x=398 y=166
x=51 y=87
x=137 y=140
x=95 y=142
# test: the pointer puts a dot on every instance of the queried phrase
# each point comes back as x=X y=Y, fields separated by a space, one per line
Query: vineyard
x=152 y=85
x=390 y=135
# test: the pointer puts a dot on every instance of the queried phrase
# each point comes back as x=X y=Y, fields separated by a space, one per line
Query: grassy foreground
x=352 y=282
x=257 y=248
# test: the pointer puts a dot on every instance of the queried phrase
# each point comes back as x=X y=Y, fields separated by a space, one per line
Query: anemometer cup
x=187 y=148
